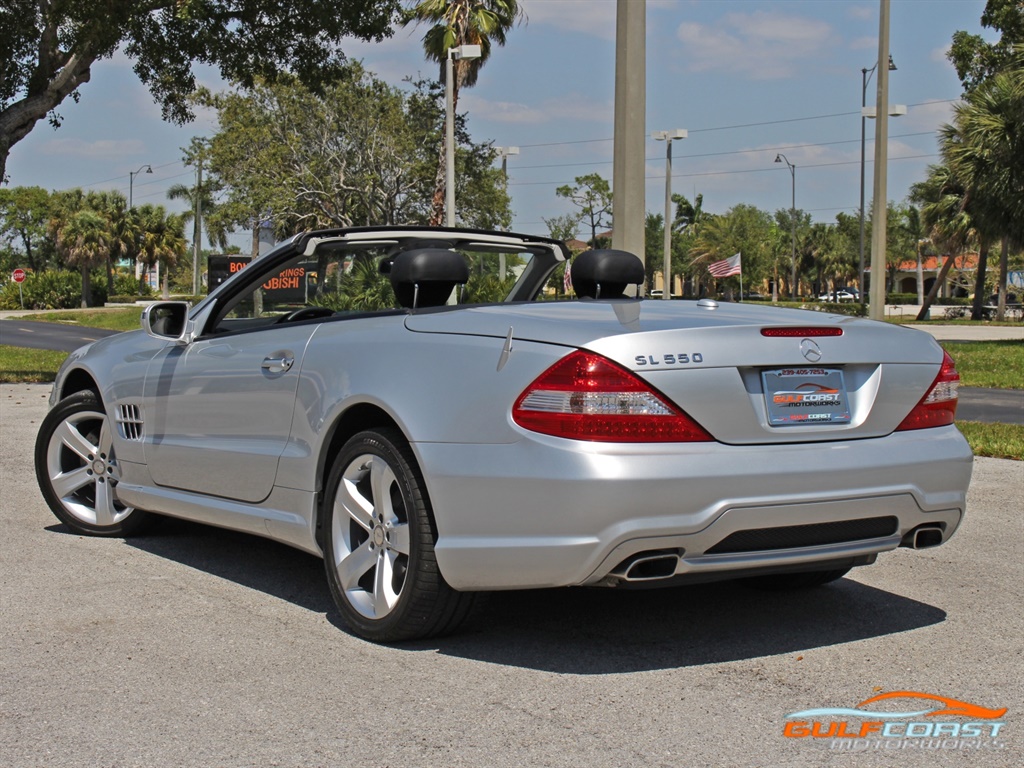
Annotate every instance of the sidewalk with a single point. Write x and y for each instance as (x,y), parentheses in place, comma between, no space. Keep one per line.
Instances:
(972,332)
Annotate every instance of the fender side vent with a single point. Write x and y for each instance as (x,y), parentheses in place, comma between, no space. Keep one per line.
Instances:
(130,421)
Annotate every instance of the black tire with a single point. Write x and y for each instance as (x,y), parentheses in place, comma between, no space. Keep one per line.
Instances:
(778,582)
(379,537)
(78,472)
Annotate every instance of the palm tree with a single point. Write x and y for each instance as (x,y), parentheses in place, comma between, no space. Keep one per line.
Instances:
(984,146)
(454,23)
(84,240)
(947,221)
(163,240)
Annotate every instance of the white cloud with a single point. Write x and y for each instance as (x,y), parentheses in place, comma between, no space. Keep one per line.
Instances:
(100,148)
(863,12)
(939,54)
(865,43)
(926,117)
(584,16)
(761,45)
(574,106)
(501,111)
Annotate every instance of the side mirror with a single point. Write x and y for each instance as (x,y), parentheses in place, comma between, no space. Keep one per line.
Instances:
(168,321)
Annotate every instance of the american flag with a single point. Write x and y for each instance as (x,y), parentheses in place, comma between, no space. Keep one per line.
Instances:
(726,267)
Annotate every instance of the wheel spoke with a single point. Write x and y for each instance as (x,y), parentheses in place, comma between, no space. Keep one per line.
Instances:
(105,509)
(352,502)
(353,566)
(66,483)
(399,538)
(384,596)
(106,445)
(70,437)
(381,479)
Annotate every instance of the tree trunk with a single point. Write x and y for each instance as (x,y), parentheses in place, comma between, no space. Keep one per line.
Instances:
(977,313)
(939,280)
(86,288)
(1004,258)
(19,118)
(920,277)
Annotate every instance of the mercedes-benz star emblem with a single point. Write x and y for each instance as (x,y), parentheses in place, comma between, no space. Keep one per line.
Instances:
(810,350)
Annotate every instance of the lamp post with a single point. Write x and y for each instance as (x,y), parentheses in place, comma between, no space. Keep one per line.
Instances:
(131,181)
(865,75)
(504,152)
(879,212)
(456,52)
(667,137)
(792,215)
(131,187)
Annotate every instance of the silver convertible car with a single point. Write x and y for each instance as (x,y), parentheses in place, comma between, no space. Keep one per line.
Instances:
(411,405)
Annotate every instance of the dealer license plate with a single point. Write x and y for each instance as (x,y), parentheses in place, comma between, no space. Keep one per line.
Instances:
(801,396)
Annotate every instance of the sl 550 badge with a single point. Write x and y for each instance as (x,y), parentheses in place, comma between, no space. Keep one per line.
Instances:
(681,359)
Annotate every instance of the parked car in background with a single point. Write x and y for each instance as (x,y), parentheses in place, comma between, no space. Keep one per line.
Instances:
(341,395)
(840,295)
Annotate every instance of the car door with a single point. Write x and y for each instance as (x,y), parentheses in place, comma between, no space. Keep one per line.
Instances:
(221,409)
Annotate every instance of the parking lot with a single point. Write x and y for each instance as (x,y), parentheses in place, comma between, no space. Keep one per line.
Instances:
(196,646)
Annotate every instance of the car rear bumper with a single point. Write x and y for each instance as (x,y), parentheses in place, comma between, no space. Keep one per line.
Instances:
(545,512)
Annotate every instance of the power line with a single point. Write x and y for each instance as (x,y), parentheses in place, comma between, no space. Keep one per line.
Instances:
(744,125)
(720,154)
(729,173)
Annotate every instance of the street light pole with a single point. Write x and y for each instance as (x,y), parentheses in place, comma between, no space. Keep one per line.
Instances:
(667,137)
(455,52)
(876,309)
(865,75)
(131,187)
(792,215)
(131,181)
(504,152)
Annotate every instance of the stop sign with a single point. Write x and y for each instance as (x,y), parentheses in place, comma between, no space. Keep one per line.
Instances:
(18,275)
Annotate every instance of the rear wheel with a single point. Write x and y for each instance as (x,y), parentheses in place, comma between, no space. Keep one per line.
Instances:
(379,544)
(78,472)
(777,582)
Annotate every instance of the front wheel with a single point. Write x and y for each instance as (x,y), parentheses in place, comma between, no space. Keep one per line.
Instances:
(78,472)
(379,544)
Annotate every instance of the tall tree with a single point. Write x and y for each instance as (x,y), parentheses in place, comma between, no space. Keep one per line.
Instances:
(163,240)
(592,195)
(48,48)
(454,23)
(84,239)
(976,59)
(24,215)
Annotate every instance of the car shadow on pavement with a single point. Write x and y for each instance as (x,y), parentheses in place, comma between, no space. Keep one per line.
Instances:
(582,631)
(590,631)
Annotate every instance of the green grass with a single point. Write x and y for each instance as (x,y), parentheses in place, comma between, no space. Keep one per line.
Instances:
(1000,441)
(18,365)
(998,364)
(119,319)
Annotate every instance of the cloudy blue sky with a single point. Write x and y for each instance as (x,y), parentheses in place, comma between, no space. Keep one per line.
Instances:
(746,78)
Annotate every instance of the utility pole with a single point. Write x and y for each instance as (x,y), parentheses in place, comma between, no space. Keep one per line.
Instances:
(628,205)
(197,232)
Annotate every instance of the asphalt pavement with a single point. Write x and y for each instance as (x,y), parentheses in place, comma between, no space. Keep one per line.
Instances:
(194,646)
(18,332)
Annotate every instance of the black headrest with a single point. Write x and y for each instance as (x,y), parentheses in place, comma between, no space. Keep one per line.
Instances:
(426,277)
(604,274)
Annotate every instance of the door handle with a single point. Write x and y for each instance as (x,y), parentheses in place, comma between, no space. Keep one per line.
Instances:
(278,364)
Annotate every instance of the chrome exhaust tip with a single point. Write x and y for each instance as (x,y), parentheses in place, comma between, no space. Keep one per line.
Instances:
(651,567)
(923,537)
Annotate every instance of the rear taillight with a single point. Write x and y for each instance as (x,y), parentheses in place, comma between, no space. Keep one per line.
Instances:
(938,407)
(587,397)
